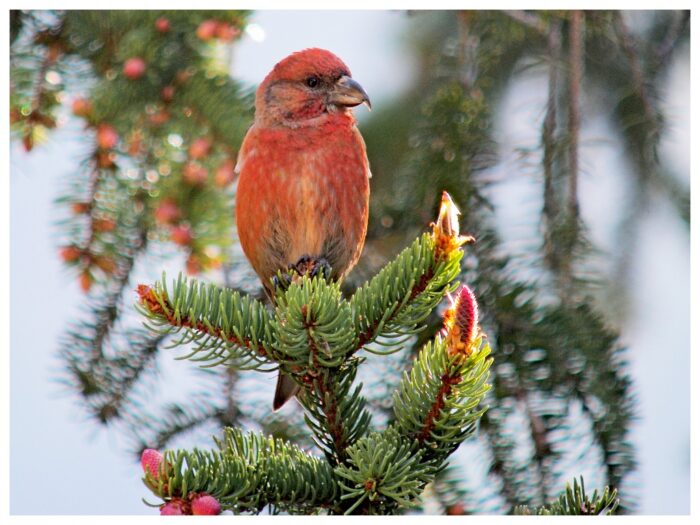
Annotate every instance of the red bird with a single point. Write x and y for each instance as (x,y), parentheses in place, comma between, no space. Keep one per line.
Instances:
(303,191)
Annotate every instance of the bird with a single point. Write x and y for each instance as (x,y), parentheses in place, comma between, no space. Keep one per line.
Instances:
(302,200)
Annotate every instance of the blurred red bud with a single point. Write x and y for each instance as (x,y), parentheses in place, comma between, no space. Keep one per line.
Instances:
(225,173)
(195,174)
(105,264)
(85,281)
(167,212)
(80,207)
(181,234)
(107,136)
(159,117)
(134,68)
(28,141)
(199,148)
(162,25)
(226,32)
(70,253)
(103,225)
(193,266)
(207,30)
(82,107)
(135,142)
(167,93)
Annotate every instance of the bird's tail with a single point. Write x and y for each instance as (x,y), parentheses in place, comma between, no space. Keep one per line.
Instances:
(285,390)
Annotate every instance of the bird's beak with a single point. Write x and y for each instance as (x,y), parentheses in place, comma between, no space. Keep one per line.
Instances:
(348,93)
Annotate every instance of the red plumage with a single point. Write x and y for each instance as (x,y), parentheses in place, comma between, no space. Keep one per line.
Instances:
(304,177)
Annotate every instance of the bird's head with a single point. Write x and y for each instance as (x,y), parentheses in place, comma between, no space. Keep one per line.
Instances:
(305,86)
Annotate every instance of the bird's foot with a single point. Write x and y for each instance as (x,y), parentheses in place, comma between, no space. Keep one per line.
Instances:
(312,266)
(306,265)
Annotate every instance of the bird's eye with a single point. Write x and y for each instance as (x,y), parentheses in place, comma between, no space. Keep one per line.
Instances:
(312,82)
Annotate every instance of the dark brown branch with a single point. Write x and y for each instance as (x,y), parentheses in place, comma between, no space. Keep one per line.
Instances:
(550,122)
(575,76)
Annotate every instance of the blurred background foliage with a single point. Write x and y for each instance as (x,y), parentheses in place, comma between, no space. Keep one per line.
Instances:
(164,116)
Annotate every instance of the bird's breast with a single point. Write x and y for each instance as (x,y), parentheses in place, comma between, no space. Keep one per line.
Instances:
(302,192)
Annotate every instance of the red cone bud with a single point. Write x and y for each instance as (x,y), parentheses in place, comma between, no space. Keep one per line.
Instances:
(205,505)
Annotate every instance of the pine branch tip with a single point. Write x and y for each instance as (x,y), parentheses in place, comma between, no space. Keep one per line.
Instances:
(446,234)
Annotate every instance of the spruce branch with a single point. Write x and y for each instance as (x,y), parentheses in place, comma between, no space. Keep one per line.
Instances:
(575,502)
(225,326)
(402,295)
(312,325)
(384,474)
(335,411)
(247,473)
(437,404)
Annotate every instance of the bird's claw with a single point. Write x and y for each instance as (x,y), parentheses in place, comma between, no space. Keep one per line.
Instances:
(311,266)
(306,265)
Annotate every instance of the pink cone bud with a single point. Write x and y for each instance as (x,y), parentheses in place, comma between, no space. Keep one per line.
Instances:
(205,505)
(467,315)
(461,322)
(151,460)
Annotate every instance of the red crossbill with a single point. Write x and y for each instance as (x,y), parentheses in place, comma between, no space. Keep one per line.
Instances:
(303,191)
